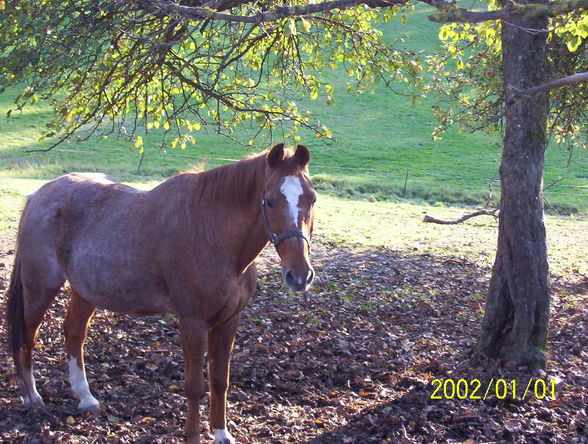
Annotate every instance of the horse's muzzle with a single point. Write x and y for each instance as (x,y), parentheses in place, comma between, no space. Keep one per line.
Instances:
(295,282)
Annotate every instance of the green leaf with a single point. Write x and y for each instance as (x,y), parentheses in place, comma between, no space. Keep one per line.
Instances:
(113,419)
(574,43)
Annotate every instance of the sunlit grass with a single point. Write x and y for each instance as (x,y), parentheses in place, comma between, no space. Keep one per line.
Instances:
(383,148)
(358,224)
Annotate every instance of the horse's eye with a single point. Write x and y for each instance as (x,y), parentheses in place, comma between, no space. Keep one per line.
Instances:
(314,199)
(269,203)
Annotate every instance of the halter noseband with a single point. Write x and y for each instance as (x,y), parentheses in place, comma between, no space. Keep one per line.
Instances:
(277,238)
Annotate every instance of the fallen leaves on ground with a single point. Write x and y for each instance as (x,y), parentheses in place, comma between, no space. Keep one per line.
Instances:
(352,361)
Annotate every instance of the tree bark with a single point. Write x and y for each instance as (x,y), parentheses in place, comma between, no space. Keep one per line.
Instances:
(517,309)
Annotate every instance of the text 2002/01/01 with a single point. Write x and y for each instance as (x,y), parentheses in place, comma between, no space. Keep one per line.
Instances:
(500,388)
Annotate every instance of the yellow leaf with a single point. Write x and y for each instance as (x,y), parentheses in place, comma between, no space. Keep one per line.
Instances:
(292,26)
(305,24)
(70,420)
(2,4)
(138,142)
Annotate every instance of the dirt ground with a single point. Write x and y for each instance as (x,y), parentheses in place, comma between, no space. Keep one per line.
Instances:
(353,361)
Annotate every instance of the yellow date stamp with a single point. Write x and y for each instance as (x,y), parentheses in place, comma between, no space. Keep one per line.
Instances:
(498,388)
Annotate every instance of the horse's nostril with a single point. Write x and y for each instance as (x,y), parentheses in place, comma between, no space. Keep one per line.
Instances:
(290,279)
(310,276)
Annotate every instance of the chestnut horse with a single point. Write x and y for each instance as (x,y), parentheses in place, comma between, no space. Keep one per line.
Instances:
(185,247)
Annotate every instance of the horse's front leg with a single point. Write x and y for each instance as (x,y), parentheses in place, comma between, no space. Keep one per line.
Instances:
(220,345)
(193,333)
(78,316)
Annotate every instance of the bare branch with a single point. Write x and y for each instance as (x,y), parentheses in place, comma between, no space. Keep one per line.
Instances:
(434,220)
(558,83)
(450,12)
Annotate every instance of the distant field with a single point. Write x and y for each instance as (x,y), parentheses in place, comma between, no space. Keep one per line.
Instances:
(383,148)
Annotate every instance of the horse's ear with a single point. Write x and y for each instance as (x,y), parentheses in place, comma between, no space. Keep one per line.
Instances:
(275,155)
(302,155)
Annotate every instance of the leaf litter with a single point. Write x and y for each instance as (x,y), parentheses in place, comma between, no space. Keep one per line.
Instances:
(351,361)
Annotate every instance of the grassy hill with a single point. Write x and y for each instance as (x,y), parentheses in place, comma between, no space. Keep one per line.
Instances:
(383,148)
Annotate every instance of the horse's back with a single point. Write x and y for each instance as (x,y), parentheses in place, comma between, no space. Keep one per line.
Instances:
(71,193)
(39,229)
(56,211)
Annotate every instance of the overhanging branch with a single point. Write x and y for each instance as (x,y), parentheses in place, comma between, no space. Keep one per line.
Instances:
(450,12)
(204,13)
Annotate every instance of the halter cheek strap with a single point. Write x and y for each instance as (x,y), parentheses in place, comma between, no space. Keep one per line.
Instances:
(274,238)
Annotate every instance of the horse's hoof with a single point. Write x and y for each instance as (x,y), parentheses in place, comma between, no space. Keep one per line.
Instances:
(36,404)
(221,436)
(93,408)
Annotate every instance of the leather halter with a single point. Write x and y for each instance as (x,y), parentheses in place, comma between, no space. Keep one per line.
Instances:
(277,238)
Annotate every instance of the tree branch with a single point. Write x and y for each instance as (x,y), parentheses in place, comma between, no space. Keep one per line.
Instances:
(450,12)
(558,83)
(434,220)
(198,13)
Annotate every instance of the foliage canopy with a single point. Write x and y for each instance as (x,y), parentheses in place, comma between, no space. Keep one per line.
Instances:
(469,76)
(118,66)
(112,66)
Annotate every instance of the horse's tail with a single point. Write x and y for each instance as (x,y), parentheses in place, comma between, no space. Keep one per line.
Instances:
(15,319)
(15,313)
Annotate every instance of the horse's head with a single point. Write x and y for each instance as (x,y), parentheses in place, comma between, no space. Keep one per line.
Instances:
(287,209)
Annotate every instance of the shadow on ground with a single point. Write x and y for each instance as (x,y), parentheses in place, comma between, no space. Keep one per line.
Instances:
(352,361)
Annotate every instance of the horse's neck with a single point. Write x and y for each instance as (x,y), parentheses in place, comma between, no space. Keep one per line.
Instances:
(246,231)
(253,240)
(236,222)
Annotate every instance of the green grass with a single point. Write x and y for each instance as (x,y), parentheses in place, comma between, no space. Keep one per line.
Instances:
(382,142)
(362,225)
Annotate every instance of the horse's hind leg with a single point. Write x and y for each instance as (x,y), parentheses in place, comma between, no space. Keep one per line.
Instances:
(36,302)
(35,281)
(75,326)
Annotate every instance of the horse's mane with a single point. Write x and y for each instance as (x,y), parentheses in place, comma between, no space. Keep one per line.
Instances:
(233,183)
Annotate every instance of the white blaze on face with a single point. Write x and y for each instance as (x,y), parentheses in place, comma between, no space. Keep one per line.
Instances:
(292,189)
(79,386)
(221,436)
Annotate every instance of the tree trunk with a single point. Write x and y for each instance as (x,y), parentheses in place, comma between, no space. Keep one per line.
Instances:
(517,308)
